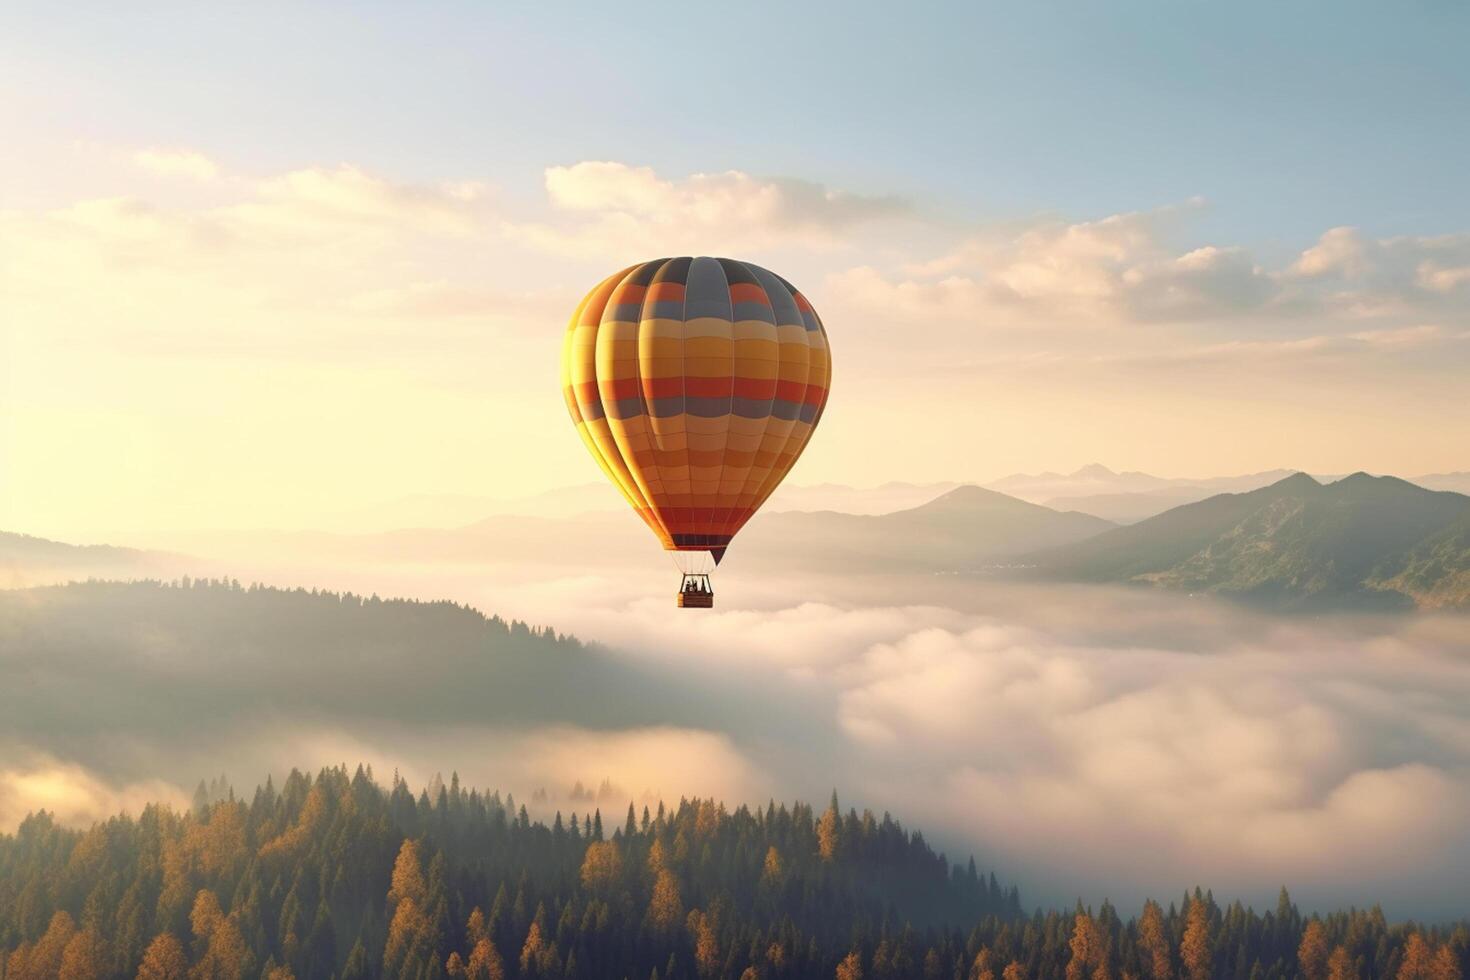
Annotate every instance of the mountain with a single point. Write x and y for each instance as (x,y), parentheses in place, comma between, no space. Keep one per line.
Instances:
(206,646)
(965,528)
(1130,508)
(1097,480)
(449,511)
(1360,542)
(26,560)
(1436,572)
(884,499)
(1456,482)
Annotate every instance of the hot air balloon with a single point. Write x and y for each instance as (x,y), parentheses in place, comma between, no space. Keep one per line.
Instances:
(695,383)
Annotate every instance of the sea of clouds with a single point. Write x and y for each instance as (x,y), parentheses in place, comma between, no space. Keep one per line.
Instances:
(1082,742)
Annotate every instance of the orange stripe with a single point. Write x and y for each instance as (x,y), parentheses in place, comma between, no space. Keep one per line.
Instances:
(665,290)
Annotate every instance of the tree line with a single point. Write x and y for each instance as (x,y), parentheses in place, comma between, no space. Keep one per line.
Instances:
(336,876)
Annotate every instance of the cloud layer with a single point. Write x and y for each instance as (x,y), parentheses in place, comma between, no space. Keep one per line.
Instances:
(1085,742)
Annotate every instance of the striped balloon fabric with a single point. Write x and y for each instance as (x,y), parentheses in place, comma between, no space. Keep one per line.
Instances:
(695,383)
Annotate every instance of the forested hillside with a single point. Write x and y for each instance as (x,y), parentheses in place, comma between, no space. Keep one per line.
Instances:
(1360,543)
(335,876)
(207,647)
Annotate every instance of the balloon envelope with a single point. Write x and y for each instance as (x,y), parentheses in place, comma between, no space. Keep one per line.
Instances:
(695,383)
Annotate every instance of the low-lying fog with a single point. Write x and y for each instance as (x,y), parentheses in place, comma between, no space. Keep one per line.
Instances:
(1083,742)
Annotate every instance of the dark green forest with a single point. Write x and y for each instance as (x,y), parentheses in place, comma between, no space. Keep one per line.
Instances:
(335,876)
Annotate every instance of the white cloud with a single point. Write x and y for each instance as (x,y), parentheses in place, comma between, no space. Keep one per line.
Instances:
(75,795)
(285,263)
(1122,270)
(613,208)
(177,163)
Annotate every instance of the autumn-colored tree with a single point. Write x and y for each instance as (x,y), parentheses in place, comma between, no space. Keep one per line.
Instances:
(665,908)
(204,918)
(1446,964)
(484,963)
(602,866)
(706,943)
(827,829)
(1153,943)
(408,876)
(1014,971)
(1418,961)
(1196,949)
(1089,950)
(1340,965)
(226,957)
(454,966)
(274,972)
(164,959)
(657,858)
(851,967)
(531,952)
(475,928)
(771,872)
(406,934)
(1312,953)
(776,956)
(217,848)
(984,966)
(86,957)
(43,960)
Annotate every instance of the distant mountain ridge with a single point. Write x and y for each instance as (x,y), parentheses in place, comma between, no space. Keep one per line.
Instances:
(27,560)
(1360,542)
(965,528)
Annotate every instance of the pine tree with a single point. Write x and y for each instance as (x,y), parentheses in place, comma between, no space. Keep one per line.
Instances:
(1153,943)
(1419,961)
(86,957)
(827,830)
(1196,949)
(1312,953)
(164,959)
(665,908)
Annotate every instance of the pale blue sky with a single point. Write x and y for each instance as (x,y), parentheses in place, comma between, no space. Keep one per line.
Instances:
(1288,117)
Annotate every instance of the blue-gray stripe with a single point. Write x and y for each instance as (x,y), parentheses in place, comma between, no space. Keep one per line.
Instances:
(783,304)
(664,309)
(706,293)
(750,310)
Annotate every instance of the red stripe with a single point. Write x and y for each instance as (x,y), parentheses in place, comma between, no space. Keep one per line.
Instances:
(815,395)
(748,292)
(616,390)
(802,304)
(756,388)
(662,388)
(790,391)
(709,387)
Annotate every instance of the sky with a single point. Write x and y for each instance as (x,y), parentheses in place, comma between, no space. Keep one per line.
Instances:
(262,264)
